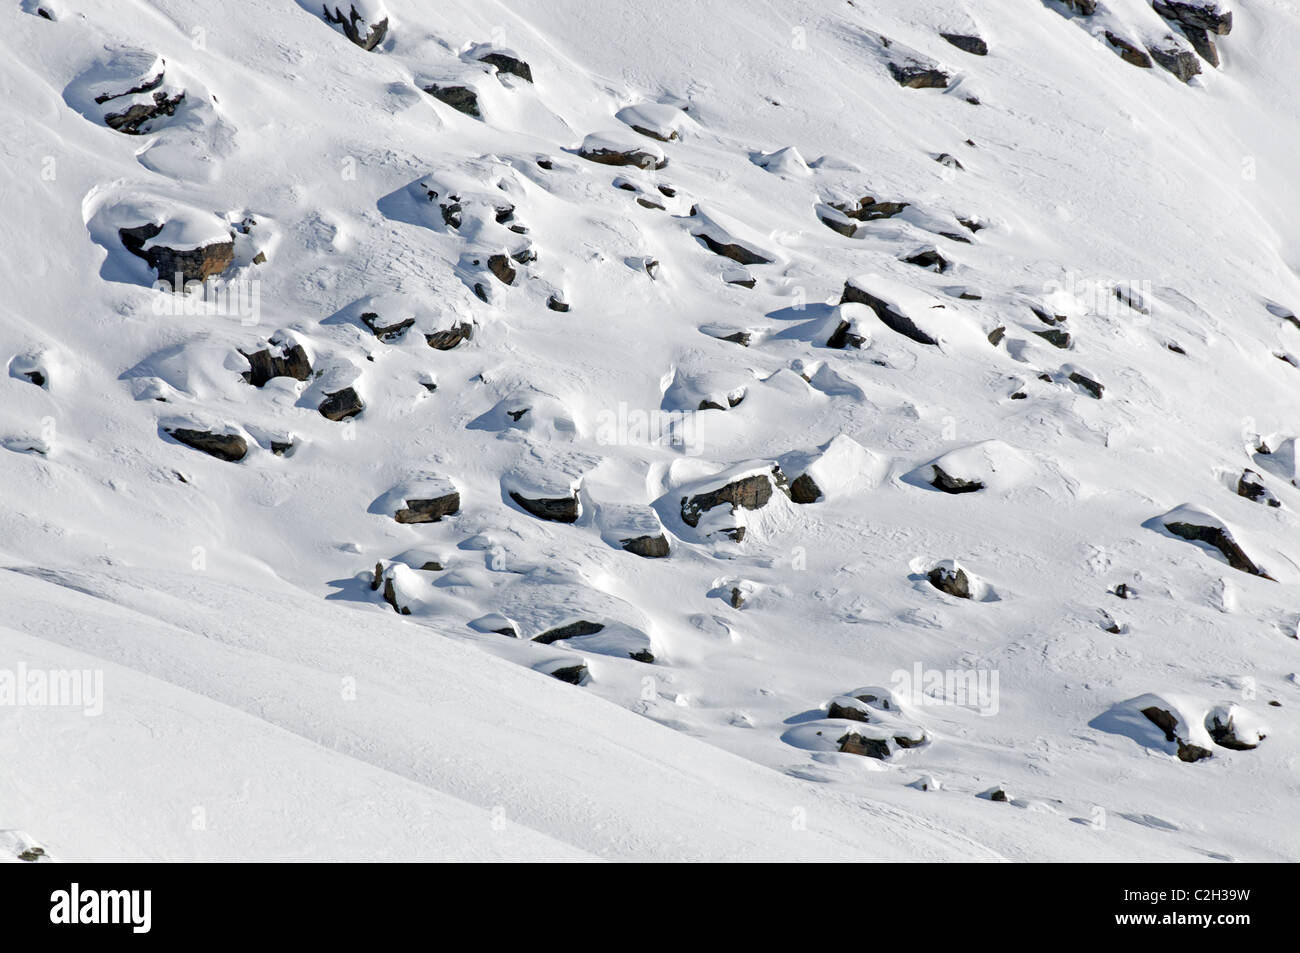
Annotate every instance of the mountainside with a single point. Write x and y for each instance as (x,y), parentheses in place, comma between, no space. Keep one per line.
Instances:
(819,430)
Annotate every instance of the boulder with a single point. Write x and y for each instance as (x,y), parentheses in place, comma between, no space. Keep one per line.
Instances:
(355,26)
(1172,57)
(1251,485)
(500,266)
(967,43)
(610,149)
(1201,526)
(1129,52)
(136,119)
(914,74)
(570,631)
(728,238)
(507,62)
(448,339)
(385,332)
(950,578)
(750,492)
(282,359)
(341,404)
(461,98)
(192,264)
(224,446)
(430,510)
(564,509)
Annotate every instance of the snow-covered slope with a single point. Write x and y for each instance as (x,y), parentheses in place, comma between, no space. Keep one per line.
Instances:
(680,352)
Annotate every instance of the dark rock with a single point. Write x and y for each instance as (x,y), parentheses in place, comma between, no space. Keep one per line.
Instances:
(1192,753)
(557,304)
(192,264)
(352,25)
(36,377)
(1129,52)
(265,365)
(737,599)
(461,98)
(446,340)
(736,252)
(636,157)
(999,795)
(648,203)
(854,743)
(1056,337)
(429,511)
(1083,7)
(642,655)
(651,134)
(563,509)
(751,493)
(1220,539)
(1225,736)
(843,337)
(969,44)
(280,447)
(341,404)
(804,489)
(950,161)
(952,581)
(744,283)
(1203,15)
(1251,485)
(505,63)
(390,596)
(573,674)
(648,547)
(32,854)
(951,484)
(930,258)
(1088,384)
(224,446)
(1182,63)
(892,319)
(847,229)
(1123,590)
(135,120)
(849,712)
(996,336)
(570,631)
(500,266)
(867,209)
(918,76)
(385,332)
(1202,44)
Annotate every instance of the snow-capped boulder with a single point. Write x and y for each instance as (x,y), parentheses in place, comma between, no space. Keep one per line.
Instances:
(713,504)
(1198,525)
(635,528)
(913,313)
(655,120)
(617,148)
(989,464)
(841,467)
(725,236)
(183,244)
(547,496)
(425,499)
(282,356)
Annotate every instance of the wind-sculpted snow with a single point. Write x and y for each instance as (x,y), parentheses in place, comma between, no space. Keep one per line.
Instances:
(559,409)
